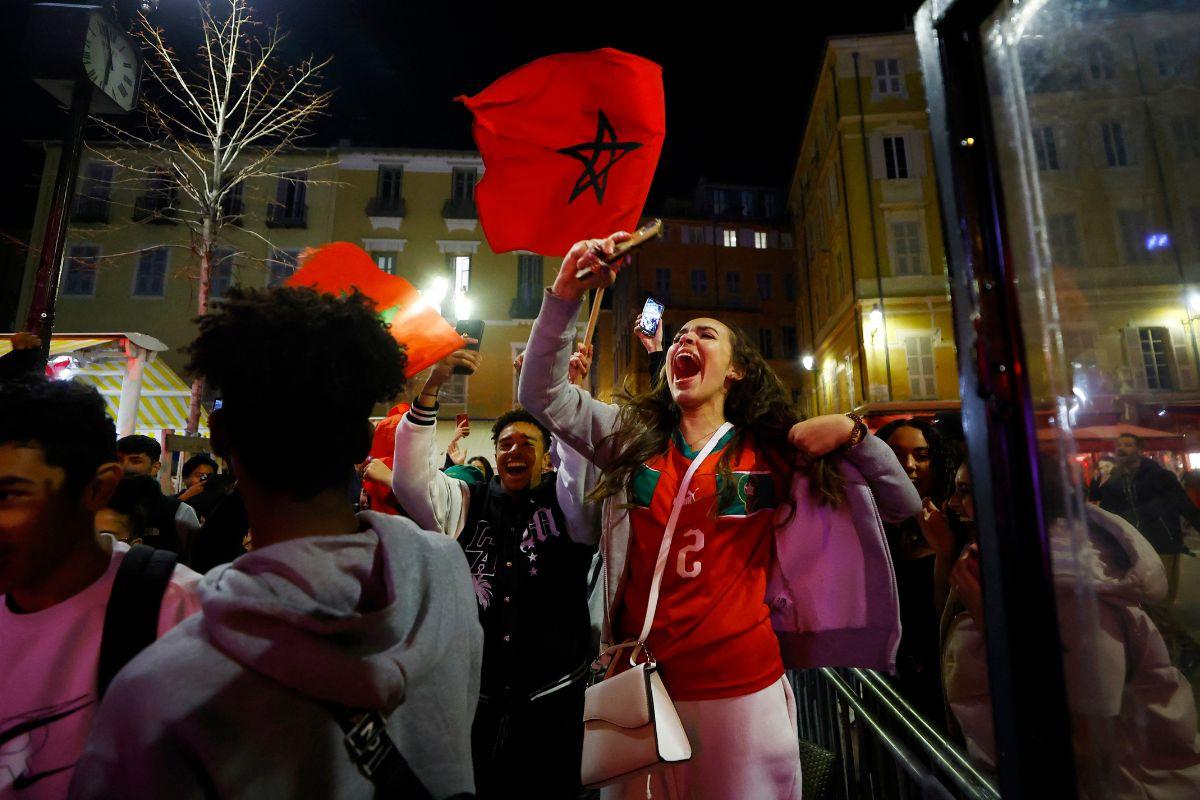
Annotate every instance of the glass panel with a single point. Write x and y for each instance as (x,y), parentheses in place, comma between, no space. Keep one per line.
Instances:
(1091,105)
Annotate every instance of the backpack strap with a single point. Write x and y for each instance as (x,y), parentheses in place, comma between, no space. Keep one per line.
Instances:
(131,617)
(377,757)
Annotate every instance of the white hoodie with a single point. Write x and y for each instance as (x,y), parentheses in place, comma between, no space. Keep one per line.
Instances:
(232,703)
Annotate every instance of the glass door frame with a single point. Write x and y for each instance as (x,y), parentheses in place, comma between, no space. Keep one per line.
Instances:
(1028,691)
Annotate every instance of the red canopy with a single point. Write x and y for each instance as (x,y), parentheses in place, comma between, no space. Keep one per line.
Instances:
(1099,438)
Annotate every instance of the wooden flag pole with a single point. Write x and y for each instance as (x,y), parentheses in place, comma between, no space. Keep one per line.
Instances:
(639,237)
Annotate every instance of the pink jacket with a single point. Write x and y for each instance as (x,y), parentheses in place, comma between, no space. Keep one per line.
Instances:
(832,590)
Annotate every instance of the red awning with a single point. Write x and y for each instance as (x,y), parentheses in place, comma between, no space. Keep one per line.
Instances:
(1098,438)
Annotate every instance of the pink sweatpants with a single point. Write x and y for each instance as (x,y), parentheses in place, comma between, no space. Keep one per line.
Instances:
(743,748)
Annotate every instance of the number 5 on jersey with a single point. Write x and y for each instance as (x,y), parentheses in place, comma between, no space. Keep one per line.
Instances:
(682,568)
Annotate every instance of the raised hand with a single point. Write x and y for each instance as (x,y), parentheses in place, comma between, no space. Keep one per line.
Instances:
(580,364)
(589,254)
(653,344)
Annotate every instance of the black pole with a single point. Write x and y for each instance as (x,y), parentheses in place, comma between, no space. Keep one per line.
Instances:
(45,288)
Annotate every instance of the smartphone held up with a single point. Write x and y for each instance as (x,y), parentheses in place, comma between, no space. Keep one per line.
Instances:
(652,313)
(473,329)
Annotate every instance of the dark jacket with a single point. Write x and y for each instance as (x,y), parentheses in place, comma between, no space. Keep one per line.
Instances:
(1151,499)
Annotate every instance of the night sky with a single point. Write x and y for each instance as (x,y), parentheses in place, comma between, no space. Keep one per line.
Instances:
(737,80)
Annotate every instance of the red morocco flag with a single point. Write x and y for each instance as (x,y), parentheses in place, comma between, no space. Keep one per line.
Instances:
(338,267)
(570,143)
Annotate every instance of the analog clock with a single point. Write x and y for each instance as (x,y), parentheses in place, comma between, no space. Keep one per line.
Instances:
(111,61)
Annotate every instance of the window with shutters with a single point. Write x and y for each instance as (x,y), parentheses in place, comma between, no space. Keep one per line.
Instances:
(385,261)
(699,282)
(389,192)
(763,281)
(1045,148)
(462,273)
(1064,241)
(221,272)
(907,254)
(1166,57)
(1133,227)
(1186,133)
(1116,154)
(1155,360)
(290,209)
(789,341)
(281,265)
(1100,62)
(730,237)
(79,270)
(462,186)
(150,276)
(895,157)
(662,283)
(888,79)
(765,345)
(921,380)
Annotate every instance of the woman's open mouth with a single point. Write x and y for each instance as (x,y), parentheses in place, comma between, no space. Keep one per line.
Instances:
(685,366)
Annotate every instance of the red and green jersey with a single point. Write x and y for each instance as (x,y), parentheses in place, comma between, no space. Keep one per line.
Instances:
(712,631)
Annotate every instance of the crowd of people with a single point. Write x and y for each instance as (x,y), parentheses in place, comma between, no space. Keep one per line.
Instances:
(335,609)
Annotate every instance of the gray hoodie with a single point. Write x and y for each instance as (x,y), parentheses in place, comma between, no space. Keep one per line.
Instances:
(232,702)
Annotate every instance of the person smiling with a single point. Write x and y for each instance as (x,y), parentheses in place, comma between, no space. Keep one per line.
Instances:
(529,561)
(742,534)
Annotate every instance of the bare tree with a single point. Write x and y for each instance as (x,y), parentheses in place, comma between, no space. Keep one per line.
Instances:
(216,120)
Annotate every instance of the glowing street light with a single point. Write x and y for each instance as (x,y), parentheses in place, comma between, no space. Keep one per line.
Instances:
(1193,301)
(808,361)
(435,292)
(876,315)
(462,307)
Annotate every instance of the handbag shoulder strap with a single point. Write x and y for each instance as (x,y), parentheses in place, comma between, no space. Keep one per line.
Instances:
(665,549)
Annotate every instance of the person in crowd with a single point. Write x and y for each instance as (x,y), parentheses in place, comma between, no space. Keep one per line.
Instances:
(335,622)
(530,568)
(173,523)
(24,360)
(196,472)
(743,521)
(924,549)
(1133,717)
(1146,495)
(456,454)
(483,465)
(58,468)
(126,515)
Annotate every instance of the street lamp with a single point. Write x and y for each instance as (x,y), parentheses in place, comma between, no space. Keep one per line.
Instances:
(807,361)
(435,292)
(462,307)
(876,315)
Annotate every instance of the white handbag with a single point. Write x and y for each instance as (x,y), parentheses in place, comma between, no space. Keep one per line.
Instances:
(630,725)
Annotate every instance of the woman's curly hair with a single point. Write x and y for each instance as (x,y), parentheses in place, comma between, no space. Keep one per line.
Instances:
(298,373)
(757,404)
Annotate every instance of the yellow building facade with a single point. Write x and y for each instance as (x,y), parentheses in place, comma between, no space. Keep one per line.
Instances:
(128,264)
(874,309)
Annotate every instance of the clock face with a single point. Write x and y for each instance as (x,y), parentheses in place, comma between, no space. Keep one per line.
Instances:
(111,61)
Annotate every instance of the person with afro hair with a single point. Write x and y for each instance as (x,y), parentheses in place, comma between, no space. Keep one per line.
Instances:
(333,619)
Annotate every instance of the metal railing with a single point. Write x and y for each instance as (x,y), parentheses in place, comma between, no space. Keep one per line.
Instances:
(884,748)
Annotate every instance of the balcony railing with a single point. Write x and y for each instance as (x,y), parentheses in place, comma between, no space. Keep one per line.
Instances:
(386,207)
(462,208)
(156,208)
(86,209)
(280,216)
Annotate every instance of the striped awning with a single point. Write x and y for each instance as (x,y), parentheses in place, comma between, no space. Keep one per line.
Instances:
(164,398)
(164,401)
(59,346)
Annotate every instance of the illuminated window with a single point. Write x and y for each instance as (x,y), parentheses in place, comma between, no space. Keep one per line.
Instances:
(1154,357)
(760,240)
(730,238)
(462,274)
(921,380)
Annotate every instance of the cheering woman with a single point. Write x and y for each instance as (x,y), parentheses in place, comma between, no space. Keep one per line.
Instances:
(777,556)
